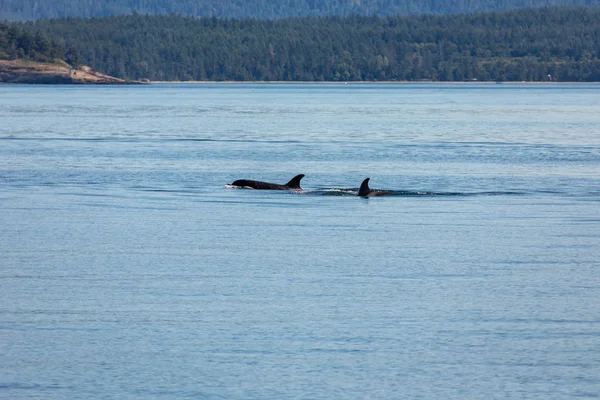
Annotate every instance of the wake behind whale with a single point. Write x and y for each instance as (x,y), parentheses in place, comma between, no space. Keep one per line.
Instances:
(366,191)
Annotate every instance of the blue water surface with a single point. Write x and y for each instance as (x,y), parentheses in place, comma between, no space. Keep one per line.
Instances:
(129,269)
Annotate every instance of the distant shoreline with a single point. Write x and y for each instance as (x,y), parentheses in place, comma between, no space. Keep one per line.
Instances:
(367,83)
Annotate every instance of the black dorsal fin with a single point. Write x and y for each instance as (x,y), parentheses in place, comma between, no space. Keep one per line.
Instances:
(364,188)
(294,183)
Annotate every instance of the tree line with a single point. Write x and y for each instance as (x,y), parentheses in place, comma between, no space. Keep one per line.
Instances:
(20,10)
(560,43)
(19,43)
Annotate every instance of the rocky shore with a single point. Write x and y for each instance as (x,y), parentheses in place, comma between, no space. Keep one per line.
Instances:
(30,72)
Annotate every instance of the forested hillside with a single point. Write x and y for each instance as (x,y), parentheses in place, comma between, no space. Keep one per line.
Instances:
(528,45)
(19,43)
(19,10)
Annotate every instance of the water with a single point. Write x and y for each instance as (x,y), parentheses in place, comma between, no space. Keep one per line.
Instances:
(129,270)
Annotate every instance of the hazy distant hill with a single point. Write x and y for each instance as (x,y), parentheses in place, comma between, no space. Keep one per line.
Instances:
(524,45)
(19,10)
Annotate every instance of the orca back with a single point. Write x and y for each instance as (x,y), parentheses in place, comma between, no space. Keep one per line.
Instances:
(244,183)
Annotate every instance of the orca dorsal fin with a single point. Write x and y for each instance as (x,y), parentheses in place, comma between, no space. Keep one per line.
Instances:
(294,183)
(364,188)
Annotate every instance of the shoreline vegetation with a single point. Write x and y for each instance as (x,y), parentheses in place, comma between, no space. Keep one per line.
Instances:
(552,44)
(425,82)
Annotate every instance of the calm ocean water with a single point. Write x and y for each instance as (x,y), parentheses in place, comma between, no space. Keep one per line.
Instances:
(129,270)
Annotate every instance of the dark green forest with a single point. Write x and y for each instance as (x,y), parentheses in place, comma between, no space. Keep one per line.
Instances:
(19,43)
(20,10)
(524,45)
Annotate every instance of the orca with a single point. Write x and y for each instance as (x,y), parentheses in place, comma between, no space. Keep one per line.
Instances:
(365,191)
(293,184)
